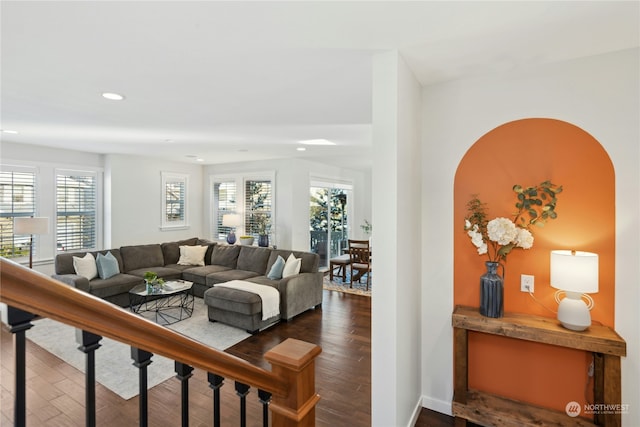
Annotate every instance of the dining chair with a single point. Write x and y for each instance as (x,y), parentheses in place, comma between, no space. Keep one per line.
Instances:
(360,260)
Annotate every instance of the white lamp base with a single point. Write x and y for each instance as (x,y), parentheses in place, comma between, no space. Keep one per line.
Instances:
(573,313)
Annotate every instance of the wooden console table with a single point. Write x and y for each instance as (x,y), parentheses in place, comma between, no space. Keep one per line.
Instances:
(488,409)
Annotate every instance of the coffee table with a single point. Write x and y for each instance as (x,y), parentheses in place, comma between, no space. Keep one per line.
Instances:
(169,304)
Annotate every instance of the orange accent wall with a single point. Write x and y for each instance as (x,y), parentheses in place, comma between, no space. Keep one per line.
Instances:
(528,152)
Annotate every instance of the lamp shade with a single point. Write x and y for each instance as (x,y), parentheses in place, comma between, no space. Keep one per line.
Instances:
(574,271)
(231,220)
(31,225)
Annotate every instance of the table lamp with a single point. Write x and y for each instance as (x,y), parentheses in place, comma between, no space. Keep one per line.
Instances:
(231,220)
(31,225)
(575,273)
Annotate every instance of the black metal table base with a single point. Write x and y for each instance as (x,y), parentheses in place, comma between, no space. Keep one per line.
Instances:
(163,309)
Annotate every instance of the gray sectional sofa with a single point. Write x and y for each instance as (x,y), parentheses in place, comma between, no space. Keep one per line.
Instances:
(223,263)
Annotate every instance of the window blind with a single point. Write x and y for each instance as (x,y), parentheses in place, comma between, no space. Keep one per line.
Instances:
(17,198)
(258,206)
(224,202)
(76,208)
(175,201)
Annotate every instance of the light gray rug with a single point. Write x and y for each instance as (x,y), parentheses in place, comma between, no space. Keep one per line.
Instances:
(114,368)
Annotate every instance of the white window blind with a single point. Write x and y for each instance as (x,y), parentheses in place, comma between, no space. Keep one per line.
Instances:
(224,202)
(76,210)
(174,200)
(17,199)
(258,206)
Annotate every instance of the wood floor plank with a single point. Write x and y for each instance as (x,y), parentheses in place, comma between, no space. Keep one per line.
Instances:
(341,326)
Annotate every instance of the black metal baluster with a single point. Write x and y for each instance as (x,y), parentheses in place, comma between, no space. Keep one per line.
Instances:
(19,321)
(215,382)
(142,359)
(265,398)
(184,372)
(242,390)
(89,343)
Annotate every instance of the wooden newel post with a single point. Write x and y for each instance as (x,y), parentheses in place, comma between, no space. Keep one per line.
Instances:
(294,361)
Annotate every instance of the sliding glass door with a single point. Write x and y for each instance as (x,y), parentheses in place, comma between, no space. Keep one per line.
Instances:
(328,220)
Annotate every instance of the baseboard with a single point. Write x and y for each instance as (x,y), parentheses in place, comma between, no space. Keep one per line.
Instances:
(416,414)
(442,406)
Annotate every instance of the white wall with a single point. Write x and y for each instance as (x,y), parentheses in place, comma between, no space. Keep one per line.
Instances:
(292,194)
(396,320)
(136,200)
(599,94)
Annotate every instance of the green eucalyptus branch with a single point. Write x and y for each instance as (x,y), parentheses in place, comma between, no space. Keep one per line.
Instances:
(536,205)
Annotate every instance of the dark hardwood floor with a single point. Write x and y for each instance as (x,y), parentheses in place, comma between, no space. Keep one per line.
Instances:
(342,327)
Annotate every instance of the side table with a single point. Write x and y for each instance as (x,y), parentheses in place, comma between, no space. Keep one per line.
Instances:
(480,407)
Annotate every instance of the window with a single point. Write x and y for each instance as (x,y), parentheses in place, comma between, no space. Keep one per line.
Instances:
(258,206)
(224,202)
(174,200)
(76,210)
(17,198)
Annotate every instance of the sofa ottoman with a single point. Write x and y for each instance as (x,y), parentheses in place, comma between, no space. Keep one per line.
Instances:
(240,304)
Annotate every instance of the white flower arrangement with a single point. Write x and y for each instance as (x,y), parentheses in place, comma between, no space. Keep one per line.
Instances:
(498,237)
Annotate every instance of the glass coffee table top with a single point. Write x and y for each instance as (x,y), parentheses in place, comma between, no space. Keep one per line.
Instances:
(164,305)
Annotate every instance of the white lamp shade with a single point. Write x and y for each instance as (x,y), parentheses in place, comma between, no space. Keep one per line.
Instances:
(31,225)
(574,271)
(231,220)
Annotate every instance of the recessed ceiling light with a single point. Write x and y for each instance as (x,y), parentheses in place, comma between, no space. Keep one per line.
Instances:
(317,142)
(199,160)
(13,132)
(113,96)
(301,149)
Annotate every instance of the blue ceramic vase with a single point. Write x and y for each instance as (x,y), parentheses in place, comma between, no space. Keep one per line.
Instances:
(492,291)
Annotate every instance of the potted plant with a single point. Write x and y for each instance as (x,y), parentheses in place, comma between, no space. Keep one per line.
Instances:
(154,284)
(263,224)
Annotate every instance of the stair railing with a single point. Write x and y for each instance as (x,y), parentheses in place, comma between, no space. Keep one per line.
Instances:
(288,389)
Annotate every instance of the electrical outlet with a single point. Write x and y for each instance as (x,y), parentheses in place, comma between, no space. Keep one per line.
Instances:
(526,283)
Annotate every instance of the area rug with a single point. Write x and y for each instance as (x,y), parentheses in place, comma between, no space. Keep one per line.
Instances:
(338,285)
(114,368)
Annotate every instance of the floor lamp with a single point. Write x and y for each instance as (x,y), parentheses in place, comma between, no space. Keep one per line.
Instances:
(31,225)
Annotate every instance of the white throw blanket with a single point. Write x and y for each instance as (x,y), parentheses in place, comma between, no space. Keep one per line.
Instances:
(269,295)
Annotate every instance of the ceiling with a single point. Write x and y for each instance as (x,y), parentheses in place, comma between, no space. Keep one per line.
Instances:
(239,81)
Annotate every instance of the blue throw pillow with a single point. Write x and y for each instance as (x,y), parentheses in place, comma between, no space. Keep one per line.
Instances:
(107,265)
(276,269)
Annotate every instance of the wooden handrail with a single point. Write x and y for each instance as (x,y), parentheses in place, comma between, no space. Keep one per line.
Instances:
(39,294)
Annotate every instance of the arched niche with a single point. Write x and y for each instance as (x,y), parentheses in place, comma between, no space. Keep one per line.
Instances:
(528,152)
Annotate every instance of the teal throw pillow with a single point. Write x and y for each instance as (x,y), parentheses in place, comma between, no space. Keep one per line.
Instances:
(107,265)
(276,269)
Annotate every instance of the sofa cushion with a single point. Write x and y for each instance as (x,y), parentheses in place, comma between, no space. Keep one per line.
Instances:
(64,261)
(192,255)
(141,256)
(275,273)
(107,265)
(85,266)
(165,273)
(233,300)
(292,266)
(309,264)
(228,275)
(118,284)
(171,250)
(226,256)
(252,258)
(199,274)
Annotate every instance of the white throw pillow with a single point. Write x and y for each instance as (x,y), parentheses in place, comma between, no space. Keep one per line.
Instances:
(192,255)
(292,266)
(85,266)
